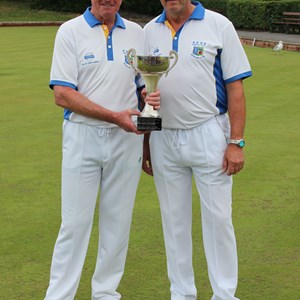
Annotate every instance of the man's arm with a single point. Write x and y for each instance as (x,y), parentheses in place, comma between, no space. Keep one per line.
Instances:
(233,161)
(154,100)
(69,98)
(147,165)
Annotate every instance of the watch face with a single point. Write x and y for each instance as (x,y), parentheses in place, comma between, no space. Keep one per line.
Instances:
(242,143)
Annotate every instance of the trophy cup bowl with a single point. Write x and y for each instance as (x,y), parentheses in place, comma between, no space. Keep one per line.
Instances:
(153,64)
(151,69)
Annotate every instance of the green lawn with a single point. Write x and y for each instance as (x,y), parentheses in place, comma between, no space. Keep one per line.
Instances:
(20,11)
(266,193)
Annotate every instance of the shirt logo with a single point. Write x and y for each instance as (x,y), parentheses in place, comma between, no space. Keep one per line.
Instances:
(126,62)
(198,49)
(89,58)
(156,52)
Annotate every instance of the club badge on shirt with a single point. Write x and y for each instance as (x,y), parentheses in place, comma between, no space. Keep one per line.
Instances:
(126,62)
(198,50)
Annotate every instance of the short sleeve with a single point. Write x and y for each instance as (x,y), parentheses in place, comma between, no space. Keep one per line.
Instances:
(64,69)
(234,62)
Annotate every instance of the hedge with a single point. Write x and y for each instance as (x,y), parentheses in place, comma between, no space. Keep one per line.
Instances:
(219,6)
(258,15)
(245,14)
(77,6)
(140,6)
(145,7)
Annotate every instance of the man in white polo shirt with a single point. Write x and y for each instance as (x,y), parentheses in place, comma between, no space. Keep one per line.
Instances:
(198,140)
(102,148)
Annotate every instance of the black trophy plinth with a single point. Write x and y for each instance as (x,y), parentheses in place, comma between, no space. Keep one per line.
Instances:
(148,123)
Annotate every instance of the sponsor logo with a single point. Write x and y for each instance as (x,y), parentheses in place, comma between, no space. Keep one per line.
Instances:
(89,58)
(156,52)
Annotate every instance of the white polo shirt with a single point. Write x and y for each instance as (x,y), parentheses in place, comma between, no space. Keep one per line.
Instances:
(210,55)
(93,61)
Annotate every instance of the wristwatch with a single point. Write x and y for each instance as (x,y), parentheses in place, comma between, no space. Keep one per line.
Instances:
(241,143)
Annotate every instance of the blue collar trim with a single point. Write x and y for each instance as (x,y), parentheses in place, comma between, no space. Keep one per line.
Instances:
(198,13)
(92,21)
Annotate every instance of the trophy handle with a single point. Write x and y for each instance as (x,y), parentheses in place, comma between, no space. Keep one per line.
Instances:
(131,57)
(172,54)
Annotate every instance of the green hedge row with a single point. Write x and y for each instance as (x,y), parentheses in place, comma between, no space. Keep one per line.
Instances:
(140,6)
(145,7)
(77,6)
(245,14)
(252,14)
(216,5)
(258,15)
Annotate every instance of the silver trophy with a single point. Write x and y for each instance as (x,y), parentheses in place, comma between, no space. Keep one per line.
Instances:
(151,68)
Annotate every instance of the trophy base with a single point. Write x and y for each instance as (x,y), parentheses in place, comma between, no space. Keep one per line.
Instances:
(148,123)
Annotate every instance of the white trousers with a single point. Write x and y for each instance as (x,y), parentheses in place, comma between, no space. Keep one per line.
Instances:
(177,156)
(95,158)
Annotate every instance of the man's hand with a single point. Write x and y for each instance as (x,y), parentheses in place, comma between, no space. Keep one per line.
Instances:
(124,120)
(233,161)
(152,99)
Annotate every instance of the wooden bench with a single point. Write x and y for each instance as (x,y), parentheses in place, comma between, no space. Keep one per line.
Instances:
(288,23)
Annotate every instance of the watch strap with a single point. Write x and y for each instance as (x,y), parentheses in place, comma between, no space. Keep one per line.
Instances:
(240,142)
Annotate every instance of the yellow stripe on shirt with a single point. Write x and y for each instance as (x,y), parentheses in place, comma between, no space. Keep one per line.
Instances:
(105,30)
(172,29)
